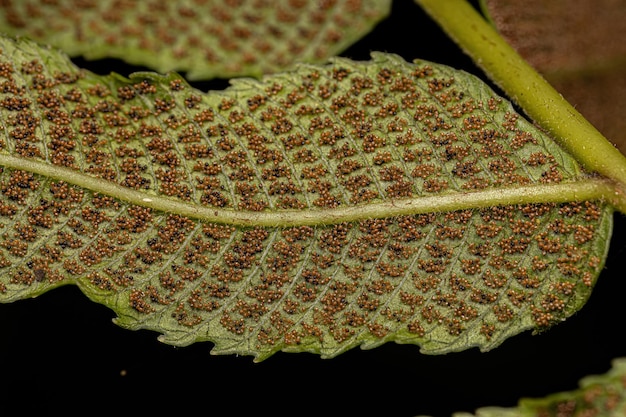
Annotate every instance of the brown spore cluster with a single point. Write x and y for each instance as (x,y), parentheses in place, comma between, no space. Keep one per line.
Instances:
(206,37)
(325,137)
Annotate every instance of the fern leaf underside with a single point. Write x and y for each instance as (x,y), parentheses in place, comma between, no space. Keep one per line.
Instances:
(597,395)
(312,141)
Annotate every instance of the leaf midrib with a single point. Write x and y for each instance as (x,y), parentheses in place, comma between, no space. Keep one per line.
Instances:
(591,188)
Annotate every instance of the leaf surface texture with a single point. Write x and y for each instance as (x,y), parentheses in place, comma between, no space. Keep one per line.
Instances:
(169,205)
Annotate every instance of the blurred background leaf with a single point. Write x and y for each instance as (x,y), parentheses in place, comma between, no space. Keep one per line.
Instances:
(203,38)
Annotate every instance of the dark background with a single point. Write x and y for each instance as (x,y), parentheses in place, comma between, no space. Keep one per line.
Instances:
(60,352)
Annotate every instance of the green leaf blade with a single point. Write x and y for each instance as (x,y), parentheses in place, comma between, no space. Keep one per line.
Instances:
(314,210)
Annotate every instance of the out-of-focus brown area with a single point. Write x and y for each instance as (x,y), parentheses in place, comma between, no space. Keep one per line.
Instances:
(580,47)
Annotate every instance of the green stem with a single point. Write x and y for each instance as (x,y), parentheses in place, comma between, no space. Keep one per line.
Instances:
(526,87)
